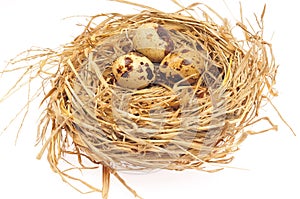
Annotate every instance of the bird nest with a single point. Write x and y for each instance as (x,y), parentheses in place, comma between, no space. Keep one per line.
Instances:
(180,119)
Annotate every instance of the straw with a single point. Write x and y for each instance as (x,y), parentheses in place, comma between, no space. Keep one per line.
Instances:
(173,126)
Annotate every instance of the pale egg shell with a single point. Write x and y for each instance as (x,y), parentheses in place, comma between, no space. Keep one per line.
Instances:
(133,71)
(182,63)
(153,41)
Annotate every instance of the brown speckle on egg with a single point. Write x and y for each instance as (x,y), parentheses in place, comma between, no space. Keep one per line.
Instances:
(182,63)
(128,61)
(125,74)
(153,41)
(133,70)
(142,78)
(164,35)
(149,74)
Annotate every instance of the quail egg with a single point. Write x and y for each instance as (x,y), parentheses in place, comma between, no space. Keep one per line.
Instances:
(133,70)
(182,63)
(153,41)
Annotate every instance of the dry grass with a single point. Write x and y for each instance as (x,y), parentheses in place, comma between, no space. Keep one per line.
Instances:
(164,126)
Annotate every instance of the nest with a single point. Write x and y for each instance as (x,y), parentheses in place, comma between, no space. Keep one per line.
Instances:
(176,126)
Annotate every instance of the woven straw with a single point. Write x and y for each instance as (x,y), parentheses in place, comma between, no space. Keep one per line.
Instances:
(167,125)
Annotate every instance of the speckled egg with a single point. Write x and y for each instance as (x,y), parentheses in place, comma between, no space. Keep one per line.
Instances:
(182,63)
(153,41)
(133,70)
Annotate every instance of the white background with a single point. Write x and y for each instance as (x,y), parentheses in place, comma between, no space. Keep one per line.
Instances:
(271,159)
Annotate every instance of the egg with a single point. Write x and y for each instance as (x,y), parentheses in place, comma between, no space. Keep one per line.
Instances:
(182,63)
(133,70)
(153,41)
